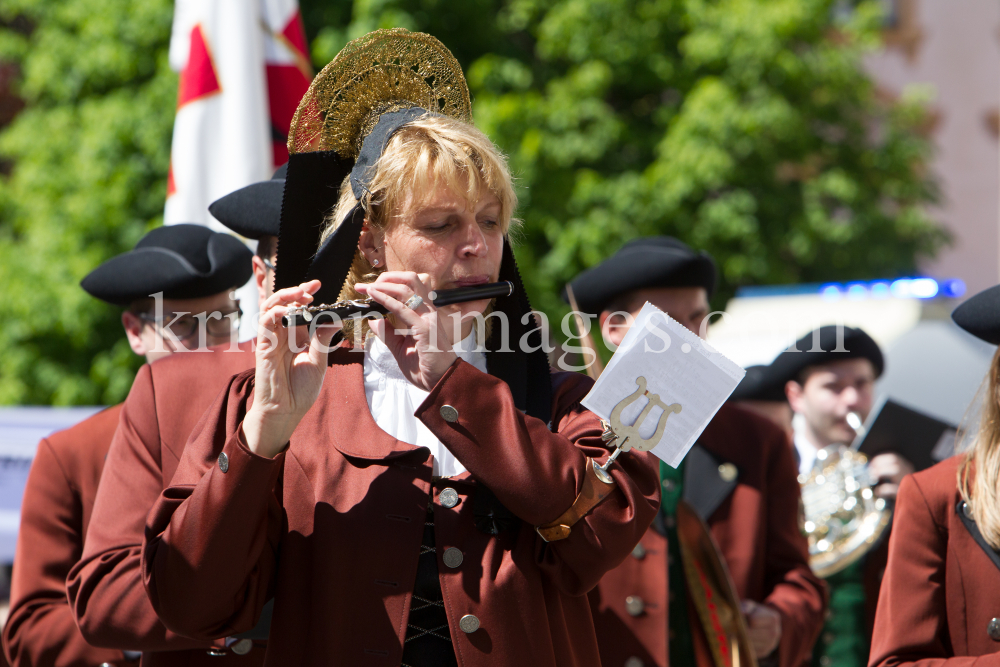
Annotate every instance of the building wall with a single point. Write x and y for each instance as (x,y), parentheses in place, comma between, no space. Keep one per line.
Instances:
(954,45)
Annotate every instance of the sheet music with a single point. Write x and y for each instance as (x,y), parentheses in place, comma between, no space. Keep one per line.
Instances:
(679,367)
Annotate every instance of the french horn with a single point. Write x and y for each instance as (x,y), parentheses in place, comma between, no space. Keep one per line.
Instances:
(842,517)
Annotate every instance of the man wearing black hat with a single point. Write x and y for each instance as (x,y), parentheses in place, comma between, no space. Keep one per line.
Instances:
(829,377)
(740,477)
(830,374)
(105,587)
(176,288)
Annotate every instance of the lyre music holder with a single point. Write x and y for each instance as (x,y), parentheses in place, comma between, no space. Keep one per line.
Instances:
(625,437)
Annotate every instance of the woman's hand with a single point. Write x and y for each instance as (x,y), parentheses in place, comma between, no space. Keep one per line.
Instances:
(289,374)
(423,351)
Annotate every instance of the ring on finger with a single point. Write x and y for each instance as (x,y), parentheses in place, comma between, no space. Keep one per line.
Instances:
(414,302)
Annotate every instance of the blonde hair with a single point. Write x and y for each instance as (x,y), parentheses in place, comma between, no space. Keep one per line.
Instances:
(427,151)
(979,473)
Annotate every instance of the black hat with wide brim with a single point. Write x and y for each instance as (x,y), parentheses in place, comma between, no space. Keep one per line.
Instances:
(181,261)
(253,211)
(980,315)
(826,345)
(657,261)
(761,383)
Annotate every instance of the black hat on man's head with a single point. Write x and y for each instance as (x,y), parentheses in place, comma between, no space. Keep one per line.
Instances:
(181,261)
(980,315)
(655,261)
(761,383)
(253,211)
(826,345)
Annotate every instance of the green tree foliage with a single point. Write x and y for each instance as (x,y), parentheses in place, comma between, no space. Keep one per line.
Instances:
(747,128)
(90,153)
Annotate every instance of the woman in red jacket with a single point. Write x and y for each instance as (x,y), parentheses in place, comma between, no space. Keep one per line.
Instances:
(940,598)
(386,495)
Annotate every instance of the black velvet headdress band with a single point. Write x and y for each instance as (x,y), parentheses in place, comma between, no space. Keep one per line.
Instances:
(374,145)
(313,196)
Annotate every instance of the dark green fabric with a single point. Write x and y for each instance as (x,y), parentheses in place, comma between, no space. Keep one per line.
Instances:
(680,644)
(844,640)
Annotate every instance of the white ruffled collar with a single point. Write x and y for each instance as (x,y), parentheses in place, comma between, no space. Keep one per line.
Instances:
(393,401)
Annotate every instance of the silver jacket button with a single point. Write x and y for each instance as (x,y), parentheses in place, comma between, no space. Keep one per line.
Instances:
(468,624)
(452,557)
(634,661)
(634,605)
(223,462)
(993,629)
(449,414)
(448,497)
(728,472)
(242,647)
(639,552)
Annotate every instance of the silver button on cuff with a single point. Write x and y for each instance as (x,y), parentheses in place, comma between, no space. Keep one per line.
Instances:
(223,462)
(449,414)
(993,629)
(242,647)
(452,557)
(639,552)
(634,605)
(468,624)
(448,497)
(728,472)
(634,661)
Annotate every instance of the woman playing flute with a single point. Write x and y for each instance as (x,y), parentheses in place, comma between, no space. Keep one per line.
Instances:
(939,604)
(404,499)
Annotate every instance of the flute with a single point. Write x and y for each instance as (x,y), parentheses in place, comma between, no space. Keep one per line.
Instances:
(365,308)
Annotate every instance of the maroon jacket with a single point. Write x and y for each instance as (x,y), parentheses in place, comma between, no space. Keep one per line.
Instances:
(105,586)
(55,512)
(345,506)
(940,595)
(754,518)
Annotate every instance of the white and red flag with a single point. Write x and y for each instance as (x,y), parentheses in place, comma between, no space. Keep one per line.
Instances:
(243,67)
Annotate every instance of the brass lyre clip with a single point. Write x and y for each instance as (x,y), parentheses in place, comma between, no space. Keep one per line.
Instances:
(626,436)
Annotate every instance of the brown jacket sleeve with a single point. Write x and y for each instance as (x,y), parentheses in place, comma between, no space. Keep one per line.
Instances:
(537,473)
(235,515)
(911,625)
(797,593)
(40,629)
(105,588)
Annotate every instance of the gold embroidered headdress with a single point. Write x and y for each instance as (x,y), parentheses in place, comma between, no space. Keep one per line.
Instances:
(384,71)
